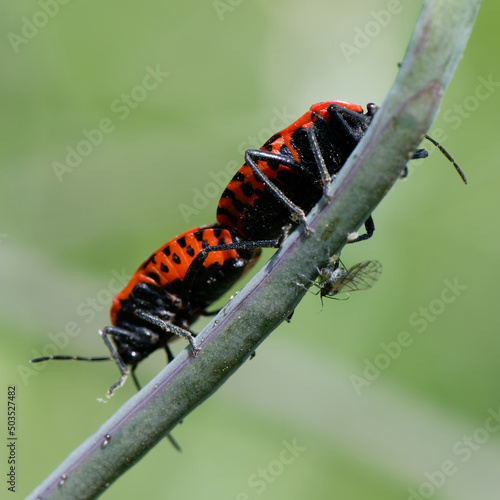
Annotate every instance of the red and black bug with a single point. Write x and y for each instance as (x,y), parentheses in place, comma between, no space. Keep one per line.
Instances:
(169,291)
(281,182)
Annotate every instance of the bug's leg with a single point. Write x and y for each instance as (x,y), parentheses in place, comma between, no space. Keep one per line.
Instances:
(107,333)
(420,154)
(144,337)
(325,176)
(252,157)
(350,125)
(170,355)
(168,327)
(135,379)
(369,227)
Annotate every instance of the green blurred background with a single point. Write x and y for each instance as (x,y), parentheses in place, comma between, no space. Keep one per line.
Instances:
(234,69)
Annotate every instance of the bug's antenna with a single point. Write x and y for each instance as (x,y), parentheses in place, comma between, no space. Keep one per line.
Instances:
(72,358)
(455,164)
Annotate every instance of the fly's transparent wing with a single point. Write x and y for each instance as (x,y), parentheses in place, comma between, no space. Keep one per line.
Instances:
(361,276)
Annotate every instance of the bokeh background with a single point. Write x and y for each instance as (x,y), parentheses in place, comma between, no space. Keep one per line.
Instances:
(422,424)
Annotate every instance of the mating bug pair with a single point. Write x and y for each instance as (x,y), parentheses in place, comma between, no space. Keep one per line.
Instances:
(277,186)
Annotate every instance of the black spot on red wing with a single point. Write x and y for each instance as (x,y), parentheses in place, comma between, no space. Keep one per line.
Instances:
(239,205)
(217,232)
(154,277)
(285,151)
(274,164)
(147,262)
(167,250)
(239,176)
(176,258)
(164,268)
(205,244)
(228,193)
(247,189)
(182,242)
(198,235)
(190,250)
(231,217)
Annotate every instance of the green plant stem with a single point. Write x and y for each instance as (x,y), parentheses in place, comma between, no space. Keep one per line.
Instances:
(435,48)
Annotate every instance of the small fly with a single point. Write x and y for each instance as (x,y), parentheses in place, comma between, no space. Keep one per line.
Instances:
(336,278)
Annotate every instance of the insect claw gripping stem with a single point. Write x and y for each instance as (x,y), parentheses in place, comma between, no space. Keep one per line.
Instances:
(369,228)
(354,237)
(301,218)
